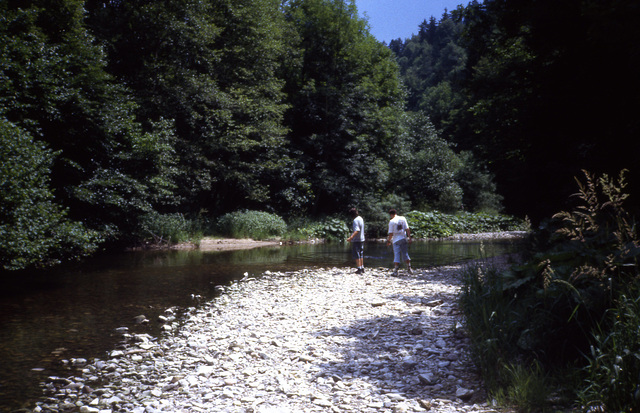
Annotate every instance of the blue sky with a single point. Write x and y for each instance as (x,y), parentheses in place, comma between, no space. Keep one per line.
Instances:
(392,19)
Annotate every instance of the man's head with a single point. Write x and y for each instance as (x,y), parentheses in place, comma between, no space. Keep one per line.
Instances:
(353,212)
(392,212)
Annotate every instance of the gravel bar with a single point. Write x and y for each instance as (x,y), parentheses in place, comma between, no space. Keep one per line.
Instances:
(315,340)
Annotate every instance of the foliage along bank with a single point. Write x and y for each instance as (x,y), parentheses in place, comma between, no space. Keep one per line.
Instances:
(560,330)
(156,112)
(537,90)
(259,225)
(198,108)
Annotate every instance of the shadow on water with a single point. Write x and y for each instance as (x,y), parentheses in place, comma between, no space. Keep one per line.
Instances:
(74,312)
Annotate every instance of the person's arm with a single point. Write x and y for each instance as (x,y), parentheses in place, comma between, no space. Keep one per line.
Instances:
(389,234)
(408,230)
(356,232)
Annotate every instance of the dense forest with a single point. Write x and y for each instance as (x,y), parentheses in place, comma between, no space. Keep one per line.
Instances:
(116,112)
(536,90)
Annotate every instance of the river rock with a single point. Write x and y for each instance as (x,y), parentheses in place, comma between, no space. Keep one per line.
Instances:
(427,378)
(140,319)
(464,394)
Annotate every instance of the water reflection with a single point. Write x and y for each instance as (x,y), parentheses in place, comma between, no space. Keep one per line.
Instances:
(74,313)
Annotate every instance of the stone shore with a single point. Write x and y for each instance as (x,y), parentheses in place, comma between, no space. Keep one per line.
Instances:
(316,340)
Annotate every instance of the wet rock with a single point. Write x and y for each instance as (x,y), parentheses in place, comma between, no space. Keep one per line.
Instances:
(79,362)
(140,319)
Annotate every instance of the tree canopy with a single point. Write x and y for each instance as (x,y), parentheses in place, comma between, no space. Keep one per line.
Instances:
(130,109)
(537,90)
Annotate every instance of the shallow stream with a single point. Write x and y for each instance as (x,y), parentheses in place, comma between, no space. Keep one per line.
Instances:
(48,320)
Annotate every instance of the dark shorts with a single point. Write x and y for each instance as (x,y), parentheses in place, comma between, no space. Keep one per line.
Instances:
(357,249)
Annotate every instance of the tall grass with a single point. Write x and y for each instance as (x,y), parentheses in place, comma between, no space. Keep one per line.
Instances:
(168,228)
(258,225)
(526,387)
(566,306)
(613,372)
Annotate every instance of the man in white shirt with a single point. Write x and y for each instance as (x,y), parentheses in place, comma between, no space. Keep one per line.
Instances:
(400,235)
(357,240)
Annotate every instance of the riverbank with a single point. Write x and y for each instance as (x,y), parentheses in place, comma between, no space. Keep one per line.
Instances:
(319,340)
(227,244)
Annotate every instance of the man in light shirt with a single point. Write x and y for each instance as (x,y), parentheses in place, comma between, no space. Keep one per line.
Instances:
(400,235)
(357,240)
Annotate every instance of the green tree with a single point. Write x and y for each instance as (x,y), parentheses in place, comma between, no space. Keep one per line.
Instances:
(433,66)
(109,169)
(479,192)
(34,230)
(345,99)
(211,66)
(551,94)
(425,167)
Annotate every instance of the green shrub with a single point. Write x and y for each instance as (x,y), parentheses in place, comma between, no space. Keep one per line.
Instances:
(478,186)
(332,229)
(436,224)
(251,224)
(450,198)
(34,229)
(569,299)
(168,228)
(376,213)
(328,229)
(430,224)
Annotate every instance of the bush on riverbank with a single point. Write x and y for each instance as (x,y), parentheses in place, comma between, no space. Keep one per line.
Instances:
(567,308)
(328,229)
(175,228)
(34,230)
(169,228)
(251,224)
(432,224)
(436,224)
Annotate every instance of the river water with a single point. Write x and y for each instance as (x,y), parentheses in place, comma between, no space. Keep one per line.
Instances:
(47,320)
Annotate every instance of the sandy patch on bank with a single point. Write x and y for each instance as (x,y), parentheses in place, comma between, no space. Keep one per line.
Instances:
(226,244)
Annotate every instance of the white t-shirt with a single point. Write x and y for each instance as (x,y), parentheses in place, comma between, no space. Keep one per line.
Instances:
(398,227)
(358,225)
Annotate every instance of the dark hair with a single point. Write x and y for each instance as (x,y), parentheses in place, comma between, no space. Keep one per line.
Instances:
(353,212)
(393,211)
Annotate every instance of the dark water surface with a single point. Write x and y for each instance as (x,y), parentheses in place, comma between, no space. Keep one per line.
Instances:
(70,314)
